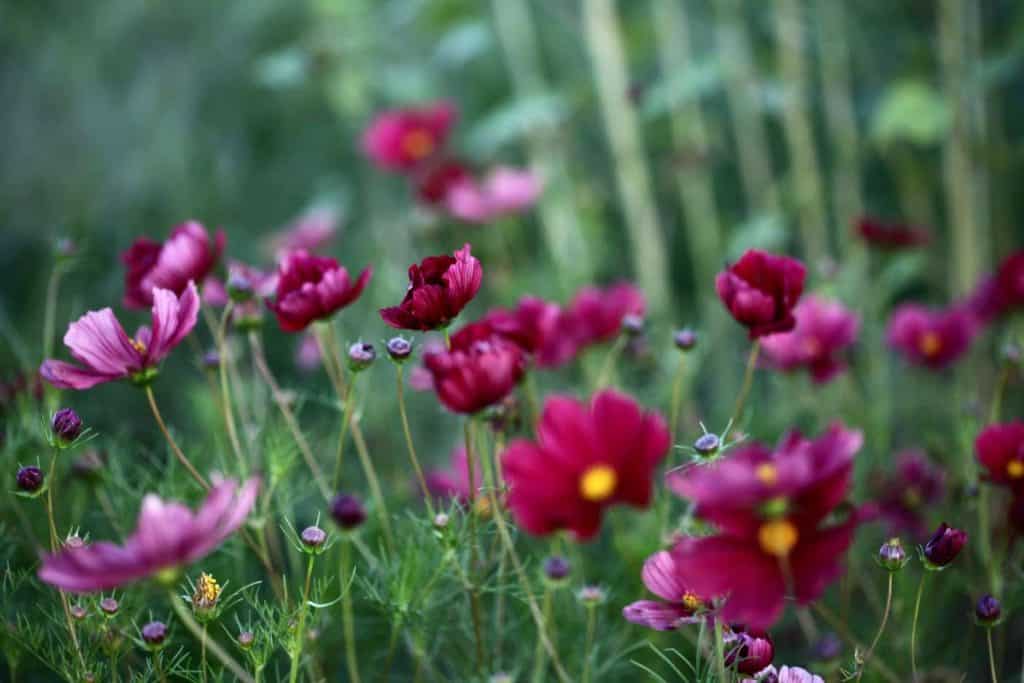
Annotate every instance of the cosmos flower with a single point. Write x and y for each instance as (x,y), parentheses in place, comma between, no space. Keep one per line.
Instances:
(943,547)
(439,288)
(890,236)
(311,288)
(453,482)
(167,536)
(999,294)
(309,232)
(932,338)
(677,606)
(750,651)
(914,484)
(188,255)
(541,328)
(106,353)
(434,181)
(1000,450)
(596,314)
(823,329)
(586,458)
(760,291)
(479,370)
(402,139)
(787,674)
(505,191)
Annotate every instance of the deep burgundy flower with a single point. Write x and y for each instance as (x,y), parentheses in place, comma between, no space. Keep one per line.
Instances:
(348,511)
(311,288)
(167,536)
(65,425)
(677,605)
(944,545)
(928,337)
(439,288)
(403,139)
(586,458)
(749,650)
(998,294)
(453,481)
(107,353)
(478,371)
(824,329)
(188,255)
(892,235)
(914,484)
(30,479)
(595,314)
(1000,450)
(761,290)
(436,180)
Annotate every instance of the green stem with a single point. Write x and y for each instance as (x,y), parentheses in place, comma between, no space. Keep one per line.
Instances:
(677,397)
(587,654)
(609,361)
(50,311)
(348,621)
(408,441)
(202,653)
(538,652)
(346,416)
(881,628)
(170,440)
(54,544)
(841,628)
(300,633)
(375,490)
(215,648)
(991,655)
(748,380)
(720,651)
(913,627)
(474,595)
(225,389)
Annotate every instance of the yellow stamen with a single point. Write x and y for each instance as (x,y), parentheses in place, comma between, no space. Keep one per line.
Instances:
(207,591)
(598,483)
(138,345)
(1015,468)
(777,537)
(691,601)
(767,474)
(418,143)
(930,343)
(482,506)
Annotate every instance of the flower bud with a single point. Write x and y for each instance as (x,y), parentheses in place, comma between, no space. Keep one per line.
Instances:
(557,569)
(943,547)
(206,598)
(685,339)
(591,596)
(707,445)
(988,611)
(361,356)
(239,287)
(313,538)
(1012,353)
(109,606)
(399,349)
(74,541)
(30,479)
(154,634)
(211,360)
(633,324)
(348,511)
(828,647)
(892,556)
(77,612)
(66,247)
(66,426)
(749,650)
(245,640)
(441,520)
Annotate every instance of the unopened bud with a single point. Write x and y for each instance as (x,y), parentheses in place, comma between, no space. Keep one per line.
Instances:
(685,339)
(246,639)
(313,538)
(348,511)
(66,426)
(633,324)
(399,349)
(557,569)
(361,356)
(30,479)
(154,634)
(988,611)
(892,556)
(707,445)
(109,606)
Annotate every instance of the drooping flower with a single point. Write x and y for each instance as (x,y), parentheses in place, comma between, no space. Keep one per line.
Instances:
(188,255)
(929,337)
(1000,450)
(915,484)
(439,288)
(770,510)
(823,330)
(309,232)
(402,139)
(505,191)
(167,536)
(586,458)
(943,547)
(453,482)
(890,235)
(761,290)
(678,605)
(479,370)
(311,288)
(596,314)
(107,353)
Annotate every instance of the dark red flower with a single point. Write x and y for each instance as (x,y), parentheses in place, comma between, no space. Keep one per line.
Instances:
(944,545)
(760,291)
(824,329)
(596,314)
(586,458)
(187,255)
(1000,450)
(932,338)
(890,236)
(479,369)
(434,182)
(402,139)
(677,605)
(541,328)
(915,484)
(439,288)
(311,288)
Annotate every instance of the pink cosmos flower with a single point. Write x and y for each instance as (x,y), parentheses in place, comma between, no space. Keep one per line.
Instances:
(787,674)
(914,484)
(505,191)
(585,459)
(188,255)
(311,288)
(439,288)
(823,329)
(760,291)
(167,536)
(478,371)
(453,482)
(678,604)
(1000,450)
(106,353)
(932,338)
(402,139)
(309,232)
(307,353)
(596,313)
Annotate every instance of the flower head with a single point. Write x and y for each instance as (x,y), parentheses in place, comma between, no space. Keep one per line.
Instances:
(167,536)
(361,356)
(66,426)
(988,611)
(434,181)
(823,330)
(892,556)
(206,597)
(505,191)
(1000,450)
(30,479)
(403,139)
(943,547)
(154,634)
(107,353)
(478,371)
(540,328)
(348,511)
(439,288)
(749,650)
(311,288)
(998,294)
(596,314)
(678,604)
(761,290)
(890,236)
(932,338)
(188,255)
(913,485)
(587,457)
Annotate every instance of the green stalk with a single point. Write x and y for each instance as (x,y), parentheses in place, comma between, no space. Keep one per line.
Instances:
(589,642)
(991,656)
(720,651)
(748,380)
(538,651)
(54,544)
(881,628)
(409,444)
(225,389)
(215,648)
(185,462)
(913,627)
(293,675)
(348,621)
(474,594)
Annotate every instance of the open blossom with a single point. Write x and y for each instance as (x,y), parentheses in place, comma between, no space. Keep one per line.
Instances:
(890,236)
(998,294)
(167,536)
(823,330)
(309,232)
(311,288)
(677,606)
(188,255)
(505,191)
(915,484)
(402,139)
(541,328)
(1000,450)
(760,291)
(106,352)
(787,674)
(453,482)
(932,338)
(439,288)
(478,371)
(596,313)
(586,458)
(770,509)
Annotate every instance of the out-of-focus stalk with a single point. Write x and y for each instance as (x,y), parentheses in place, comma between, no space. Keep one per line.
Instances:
(650,262)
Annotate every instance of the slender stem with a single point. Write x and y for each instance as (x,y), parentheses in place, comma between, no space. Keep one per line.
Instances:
(589,643)
(913,627)
(991,655)
(348,622)
(609,361)
(215,648)
(474,596)
(447,338)
(300,633)
(170,440)
(372,480)
(202,654)
(532,406)
(408,441)
(54,543)
(50,311)
(881,627)
(225,389)
(348,404)
(677,397)
(748,380)
(538,653)
(844,632)
(158,664)
(396,629)
(720,650)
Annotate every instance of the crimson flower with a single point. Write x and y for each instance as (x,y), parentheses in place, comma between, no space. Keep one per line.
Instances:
(760,291)
(890,236)
(1000,450)
(769,508)
(932,338)
(914,484)
(596,314)
(439,288)
(1001,293)
(479,369)
(311,288)
(106,352)
(187,255)
(677,605)
(748,650)
(402,139)
(585,458)
(943,547)
(823,329)
(167,536)
(541,328)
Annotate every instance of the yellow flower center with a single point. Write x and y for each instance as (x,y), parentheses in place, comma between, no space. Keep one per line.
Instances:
(482,507)
(598,483)
(418,143)
(912,497)
(207,591)
(930,343)
(767,474)
(691,601)
(1015,468)
(777,537)
(138,345)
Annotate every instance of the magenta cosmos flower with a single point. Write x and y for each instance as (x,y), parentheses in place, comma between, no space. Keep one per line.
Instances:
(540,328)
(167,536)
(504,192)
(434,181)
(932,338)
(439,288)
(1001,293)
(309,232)
(311,288)
(761,290)
(1000,450)
(787,674)
(890,235)
(188,255)
(915,484)
(595,314)
(678,604)
(823,330)
(106,353)
(769,508)
(586,458)
(402,139)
